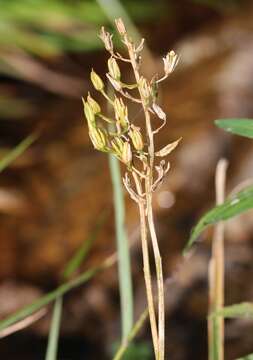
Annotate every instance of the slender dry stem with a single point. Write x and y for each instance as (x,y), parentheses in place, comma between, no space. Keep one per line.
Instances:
(216,273)
(148,192)
(146,268)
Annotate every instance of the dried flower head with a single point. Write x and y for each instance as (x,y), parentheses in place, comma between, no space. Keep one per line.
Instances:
(113,68)
(106,37)
(120,26)
(121,112)
(89,114)
(115,83)
(145,89)
(136,138)
(96,81)
(126,155)
(93,104)
(99,138)
(117,145)
(170,62)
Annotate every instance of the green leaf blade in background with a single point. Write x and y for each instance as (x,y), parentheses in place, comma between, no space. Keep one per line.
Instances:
(236,205)
(17,151)
(247,357)
(242,310)
(53,338)
(243,127)
(53,295)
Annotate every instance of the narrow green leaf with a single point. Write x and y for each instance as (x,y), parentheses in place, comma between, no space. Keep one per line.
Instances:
(17,151)
(124,263)
(84,249)
(53,295)
(69,269)
(124,346)
(242,127)
(247,357)
(233,206)
(242,310)
(52,346)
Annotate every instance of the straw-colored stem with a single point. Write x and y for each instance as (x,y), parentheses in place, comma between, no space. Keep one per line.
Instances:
(148,189)
(216,274)
(146,268)
(159,274)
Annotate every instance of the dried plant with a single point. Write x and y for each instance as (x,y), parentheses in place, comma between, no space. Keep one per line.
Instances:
(134,146)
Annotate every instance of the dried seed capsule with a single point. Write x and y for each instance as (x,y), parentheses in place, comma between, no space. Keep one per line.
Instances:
(121,112)
(136,138)
(117,145)
(120,26)
(98,138)
(126,155)
(145,89)
(96,81)
(115,83)
(114,69)
(170,62)
(106,37)
(89,114)
(93,104)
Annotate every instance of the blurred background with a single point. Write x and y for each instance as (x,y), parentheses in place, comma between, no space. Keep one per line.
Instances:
(53,197)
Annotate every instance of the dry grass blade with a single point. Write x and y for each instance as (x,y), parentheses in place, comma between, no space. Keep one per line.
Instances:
(29,320)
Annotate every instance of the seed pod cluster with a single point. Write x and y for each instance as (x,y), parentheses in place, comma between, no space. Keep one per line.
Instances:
(127,141)
(123,139)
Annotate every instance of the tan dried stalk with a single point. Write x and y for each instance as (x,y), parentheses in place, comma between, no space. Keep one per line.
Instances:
(135,148)
(216,274)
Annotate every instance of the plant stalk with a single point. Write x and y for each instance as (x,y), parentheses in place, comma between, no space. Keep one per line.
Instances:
(146,269)
(148,193)
(216,274)
(159,274)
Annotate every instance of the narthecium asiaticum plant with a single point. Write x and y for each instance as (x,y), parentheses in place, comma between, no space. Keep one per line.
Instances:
(145,166)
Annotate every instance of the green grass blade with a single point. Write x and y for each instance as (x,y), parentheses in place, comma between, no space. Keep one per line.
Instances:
(136,328)
(17,151)
(242,310)
(247,357)
(69,269)
(52,346)
(236,205)
(84,249)
(124,265)
(243,127)
(53,295)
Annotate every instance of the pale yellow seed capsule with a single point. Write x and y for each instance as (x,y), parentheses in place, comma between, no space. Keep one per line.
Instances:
(98,138)
(126,155)
(114,69)
(136,138)
(145,88)
(93,104)
(121,112)
(96,81)
(89,114)
(117,145)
